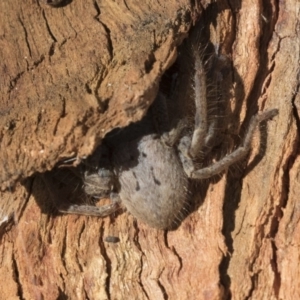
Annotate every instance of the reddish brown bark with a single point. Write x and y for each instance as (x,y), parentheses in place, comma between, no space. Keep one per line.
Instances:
(72,73)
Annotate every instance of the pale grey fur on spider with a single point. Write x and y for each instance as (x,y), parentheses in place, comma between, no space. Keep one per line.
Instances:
(149,172)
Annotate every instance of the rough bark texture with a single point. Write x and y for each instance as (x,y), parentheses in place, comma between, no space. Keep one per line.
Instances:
(70,74)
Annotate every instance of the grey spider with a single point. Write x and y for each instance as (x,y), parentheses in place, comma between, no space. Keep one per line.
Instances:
(147,167)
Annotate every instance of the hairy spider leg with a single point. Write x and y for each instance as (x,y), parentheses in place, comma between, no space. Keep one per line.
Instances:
(97,211)
(228,160)
(201,120)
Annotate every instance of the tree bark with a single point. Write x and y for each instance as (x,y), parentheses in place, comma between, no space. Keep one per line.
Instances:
(70,74)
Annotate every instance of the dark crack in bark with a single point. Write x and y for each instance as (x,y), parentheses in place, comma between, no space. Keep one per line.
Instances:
(137,244)
(17,278)
(107,262)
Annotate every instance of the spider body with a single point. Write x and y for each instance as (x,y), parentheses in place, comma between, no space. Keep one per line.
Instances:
(136,167)
(147,167)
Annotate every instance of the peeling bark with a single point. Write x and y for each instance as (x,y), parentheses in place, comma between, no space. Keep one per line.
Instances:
(72,73)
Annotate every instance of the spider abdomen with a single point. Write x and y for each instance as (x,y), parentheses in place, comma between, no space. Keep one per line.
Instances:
(153,185)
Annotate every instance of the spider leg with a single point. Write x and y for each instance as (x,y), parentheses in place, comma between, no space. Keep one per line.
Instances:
(162,124)
(228,160)
(172,137)
(201,120)
(89,210)
(207,117)
(210,140)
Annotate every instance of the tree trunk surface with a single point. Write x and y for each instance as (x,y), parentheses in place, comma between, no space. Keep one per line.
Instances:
(70,74)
